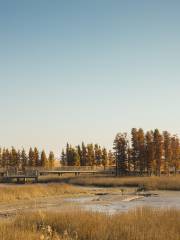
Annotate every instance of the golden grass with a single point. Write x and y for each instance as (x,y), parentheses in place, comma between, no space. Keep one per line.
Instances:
(140,224)
(154,183)
(11,193)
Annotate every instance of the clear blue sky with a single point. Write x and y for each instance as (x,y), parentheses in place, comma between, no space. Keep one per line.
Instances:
(87,69)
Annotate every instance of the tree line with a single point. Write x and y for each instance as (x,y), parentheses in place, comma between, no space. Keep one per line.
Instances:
(150,152)
(87,155)
(21,159)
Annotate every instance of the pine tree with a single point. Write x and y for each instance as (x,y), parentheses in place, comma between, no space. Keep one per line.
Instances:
(149,146)
(80,154)
(121,153)
(36,159)
(111,158)
(63,158)
(1,164)
(84,160)
(13,157)
(167,151)
(75,158)
(24,158)
(68,154)
(104,158)
(4,163)
(31,158)
(51,160)
(90,155)
(175,146)
(135,149)
(98,154)
(18,159)
(158,150)
(44,160)
(141,150)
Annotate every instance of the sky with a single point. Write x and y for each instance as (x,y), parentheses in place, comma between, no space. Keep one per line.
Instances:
(73,71)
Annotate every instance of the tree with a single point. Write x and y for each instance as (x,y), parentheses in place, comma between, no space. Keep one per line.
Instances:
(104,158)
(167,150)
(84,155)
(4,158)
(98,155)
(36,159)
(111,158)
(135,149)
(24,158)
(90,155)
(121,153)
(63,158)
(175,146)
(80,154)
(149,151)
(44,160)
(1,158)
(31,158)
(141,150)
(75,157)
(51,160)
(158,150)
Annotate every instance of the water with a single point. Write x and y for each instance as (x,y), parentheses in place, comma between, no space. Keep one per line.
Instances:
(114,203)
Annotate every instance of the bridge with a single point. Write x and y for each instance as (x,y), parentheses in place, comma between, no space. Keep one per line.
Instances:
(33,174)
(20,176)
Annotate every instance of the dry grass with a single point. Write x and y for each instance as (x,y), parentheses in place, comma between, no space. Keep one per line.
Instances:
(153,183)
(11,193)
(140,224)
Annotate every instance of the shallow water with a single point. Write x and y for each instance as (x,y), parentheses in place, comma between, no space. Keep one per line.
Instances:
(114,203)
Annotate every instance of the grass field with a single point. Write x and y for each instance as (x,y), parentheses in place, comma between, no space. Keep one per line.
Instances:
(11,193)
(140,224)
(150,183)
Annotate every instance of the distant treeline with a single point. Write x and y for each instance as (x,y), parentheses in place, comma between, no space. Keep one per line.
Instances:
(87,155)
(150,152)
(20,159)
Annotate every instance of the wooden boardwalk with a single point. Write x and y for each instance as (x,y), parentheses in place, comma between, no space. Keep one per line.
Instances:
(33,174)
(61,172)
(20,176)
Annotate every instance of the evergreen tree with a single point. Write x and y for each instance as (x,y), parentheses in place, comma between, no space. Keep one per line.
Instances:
(63,158)
(4,163)
(121,153)
(158,150)
(111,158)
(36,159)
(135,149)
(104,158)
(18,159)
(80,154)
(75,158)
(44,160)
(51,160)
(167,151)
(175,146)
(84,160)
(149,145)
(1,164)
(141,151)
(68,154)
(98,154)
(24,158)
(31,158)
(90,155)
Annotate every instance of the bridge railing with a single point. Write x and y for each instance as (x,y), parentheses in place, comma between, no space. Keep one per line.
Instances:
(25,173)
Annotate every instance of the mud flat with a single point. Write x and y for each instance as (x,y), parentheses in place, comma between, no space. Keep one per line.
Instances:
(107,200)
